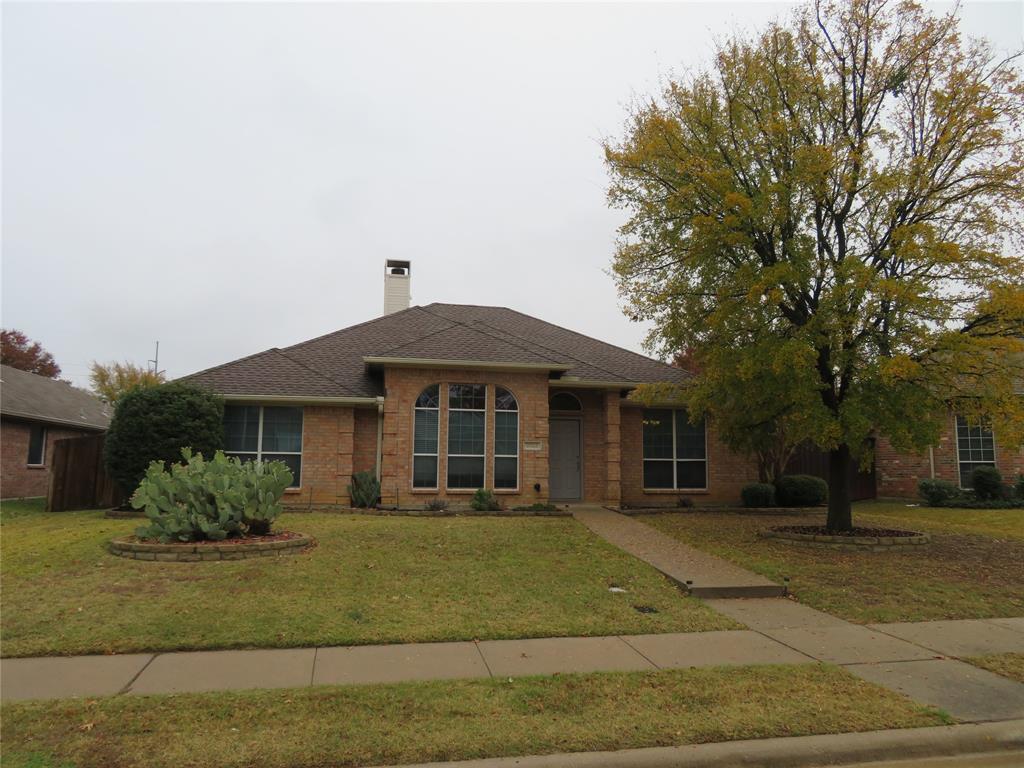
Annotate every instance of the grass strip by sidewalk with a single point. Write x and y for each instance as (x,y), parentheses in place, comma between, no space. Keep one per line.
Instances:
(412,722)
(369,580)
(1006,664)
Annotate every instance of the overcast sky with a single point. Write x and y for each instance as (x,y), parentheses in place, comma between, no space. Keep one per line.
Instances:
(231,177)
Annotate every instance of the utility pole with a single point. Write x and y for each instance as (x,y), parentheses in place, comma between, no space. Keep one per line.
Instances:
(156,359)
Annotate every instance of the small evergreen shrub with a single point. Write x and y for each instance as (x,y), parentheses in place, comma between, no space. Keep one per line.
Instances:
(684,502)
(1019,488)
(758,495)
(155,423)
(210,499)
(484,501)
(801,491)
(936,492)
(436,505)
(364,490)
(987,483)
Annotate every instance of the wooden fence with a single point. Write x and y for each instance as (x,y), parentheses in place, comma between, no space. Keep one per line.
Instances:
(77,477)
(809,460)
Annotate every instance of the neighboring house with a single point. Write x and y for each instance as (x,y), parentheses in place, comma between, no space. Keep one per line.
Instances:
(35,412)
(444,399)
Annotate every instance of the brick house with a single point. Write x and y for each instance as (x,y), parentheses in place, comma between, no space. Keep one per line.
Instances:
(443,399)
(36,412)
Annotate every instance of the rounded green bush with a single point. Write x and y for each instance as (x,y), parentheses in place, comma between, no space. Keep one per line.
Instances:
(801,491)
(155,423)
(758,495)
(937,492)
(987,483)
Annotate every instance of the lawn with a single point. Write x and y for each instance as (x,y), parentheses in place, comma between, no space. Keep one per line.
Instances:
(450,720)
(370,580)
(1006,664)
(974,567)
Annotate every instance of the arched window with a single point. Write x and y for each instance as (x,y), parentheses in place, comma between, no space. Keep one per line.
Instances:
(506,440)
(424,452)
(467,433)
(564,401)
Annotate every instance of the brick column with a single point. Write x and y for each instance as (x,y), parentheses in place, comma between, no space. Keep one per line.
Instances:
(613,449)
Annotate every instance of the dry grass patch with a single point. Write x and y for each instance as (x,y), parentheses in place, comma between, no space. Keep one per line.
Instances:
(385,724)
(369,580)
(1006,664)
(962,574)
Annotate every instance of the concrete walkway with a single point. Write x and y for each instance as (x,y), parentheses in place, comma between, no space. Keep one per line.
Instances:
(703,575)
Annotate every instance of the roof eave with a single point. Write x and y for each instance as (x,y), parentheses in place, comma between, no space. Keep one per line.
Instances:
(53,420)
(479,365)
(568,382)
(298,400)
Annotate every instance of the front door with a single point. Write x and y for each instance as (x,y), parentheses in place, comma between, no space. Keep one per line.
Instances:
(564,463)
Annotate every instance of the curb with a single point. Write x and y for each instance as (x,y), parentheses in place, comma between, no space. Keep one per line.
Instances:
(785,752)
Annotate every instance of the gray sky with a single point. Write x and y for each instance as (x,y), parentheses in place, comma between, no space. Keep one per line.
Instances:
(230,177)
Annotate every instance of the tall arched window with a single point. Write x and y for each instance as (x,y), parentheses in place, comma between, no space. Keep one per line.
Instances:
(467,431)
(506,440)
(424,452)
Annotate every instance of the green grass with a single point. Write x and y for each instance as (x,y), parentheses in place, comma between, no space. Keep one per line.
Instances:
(360,725)
(369,580)
(1006,664)
(974,567)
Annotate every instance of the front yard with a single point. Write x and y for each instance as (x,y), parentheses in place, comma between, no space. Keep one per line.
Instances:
(370,580)
(384,724)
(974,567)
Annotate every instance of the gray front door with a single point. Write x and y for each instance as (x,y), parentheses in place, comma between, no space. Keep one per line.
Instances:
(564,464)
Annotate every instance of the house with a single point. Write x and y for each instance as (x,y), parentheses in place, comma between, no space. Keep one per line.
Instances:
(443,399)
(35,412)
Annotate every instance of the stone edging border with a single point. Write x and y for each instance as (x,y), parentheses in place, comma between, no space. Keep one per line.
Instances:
(192,553)
(852,543)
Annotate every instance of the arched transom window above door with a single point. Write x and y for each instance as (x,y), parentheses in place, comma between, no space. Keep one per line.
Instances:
(564,401)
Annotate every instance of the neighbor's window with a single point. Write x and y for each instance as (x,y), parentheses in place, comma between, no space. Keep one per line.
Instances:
(466,409)
(37,445)
(424,453)
(675,451)
(975,447)
(265,433)
(506,440)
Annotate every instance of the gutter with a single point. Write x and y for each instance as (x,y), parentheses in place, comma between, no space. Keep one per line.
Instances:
(51,420)
(300,399)
(380,436)
(570,383)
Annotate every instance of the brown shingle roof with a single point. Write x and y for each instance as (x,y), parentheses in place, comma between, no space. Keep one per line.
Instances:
(36,398)
(333,365)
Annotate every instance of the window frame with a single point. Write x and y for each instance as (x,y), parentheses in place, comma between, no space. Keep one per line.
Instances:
(675,455)
(258,453)
(42,446)
(495,455)
(437,454)
(964,483)
(448,438)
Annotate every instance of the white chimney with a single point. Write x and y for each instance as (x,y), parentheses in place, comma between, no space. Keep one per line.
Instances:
(396,285)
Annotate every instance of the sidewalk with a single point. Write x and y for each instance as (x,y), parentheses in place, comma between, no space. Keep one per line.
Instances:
(782,632)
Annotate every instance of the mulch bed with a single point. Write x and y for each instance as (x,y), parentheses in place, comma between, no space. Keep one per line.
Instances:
(821,530)
(244,539)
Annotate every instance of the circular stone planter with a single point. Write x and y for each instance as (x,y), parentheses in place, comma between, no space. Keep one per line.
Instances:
(859,539)
(283,543)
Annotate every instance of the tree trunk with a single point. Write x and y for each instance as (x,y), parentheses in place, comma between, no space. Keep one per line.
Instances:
(840,515)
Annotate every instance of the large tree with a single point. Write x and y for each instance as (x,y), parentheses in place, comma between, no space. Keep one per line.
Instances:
(111,381)
(831,213)
(19,351)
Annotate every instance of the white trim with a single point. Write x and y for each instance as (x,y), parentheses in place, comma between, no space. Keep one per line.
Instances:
(448,441)
(437,440)
(41,464)
(675,459)
(519,433)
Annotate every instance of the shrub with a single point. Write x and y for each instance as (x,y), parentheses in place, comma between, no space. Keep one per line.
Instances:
(484,501)
(155,423)
(987,483)
(801,491)
(436,505)
(758,495)
(684,502)
(1019,488)
(365,490)
(210,499)
(937,492)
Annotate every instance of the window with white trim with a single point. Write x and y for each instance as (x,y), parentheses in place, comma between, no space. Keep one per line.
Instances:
(467,405)
(265,433)
(36,445)
(427,416)
(506,440)
(975,446)
(674,451)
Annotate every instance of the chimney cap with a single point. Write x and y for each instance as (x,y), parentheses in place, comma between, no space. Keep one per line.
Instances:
(397,267)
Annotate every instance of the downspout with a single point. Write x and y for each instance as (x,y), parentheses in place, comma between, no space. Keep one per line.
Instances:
(931,461)
(380,435)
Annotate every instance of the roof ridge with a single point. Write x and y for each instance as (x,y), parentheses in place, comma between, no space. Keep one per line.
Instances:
(419,338)
(229,362)
(353,327)
(493,336)
(317,371)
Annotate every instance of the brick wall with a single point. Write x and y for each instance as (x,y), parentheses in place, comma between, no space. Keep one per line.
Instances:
(727,472)
(17,479)
(898,473)
(364,449)
(403,386)
(327,456)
